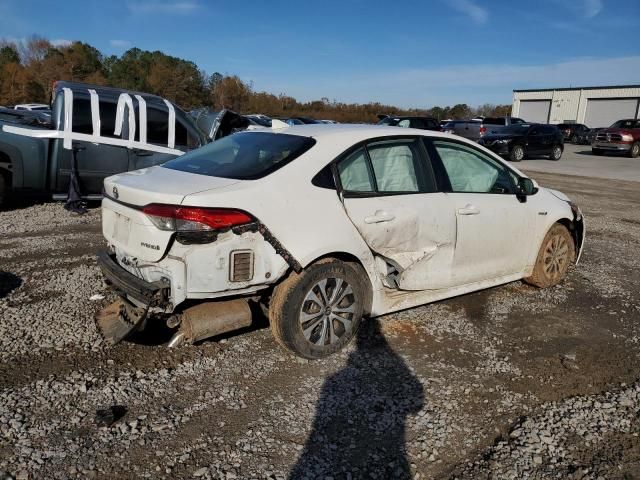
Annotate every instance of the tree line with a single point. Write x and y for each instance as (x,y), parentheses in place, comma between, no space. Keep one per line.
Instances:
(28,70)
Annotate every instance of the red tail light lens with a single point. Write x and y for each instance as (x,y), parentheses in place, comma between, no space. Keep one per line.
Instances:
(194,219)
(483,130)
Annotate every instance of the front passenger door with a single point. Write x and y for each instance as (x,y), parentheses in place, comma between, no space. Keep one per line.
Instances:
(493,226)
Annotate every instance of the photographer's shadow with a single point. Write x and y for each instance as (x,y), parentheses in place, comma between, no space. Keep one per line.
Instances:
(359,427)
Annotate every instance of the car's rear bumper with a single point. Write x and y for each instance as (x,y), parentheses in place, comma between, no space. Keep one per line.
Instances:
(612,147)
(154,294)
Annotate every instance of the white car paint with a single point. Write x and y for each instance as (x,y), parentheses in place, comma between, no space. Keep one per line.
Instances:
(443,244)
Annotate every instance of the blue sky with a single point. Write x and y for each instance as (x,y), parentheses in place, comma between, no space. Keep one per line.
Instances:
(411,53)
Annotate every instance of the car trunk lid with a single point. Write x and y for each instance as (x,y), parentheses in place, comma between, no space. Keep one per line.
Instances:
(127,227)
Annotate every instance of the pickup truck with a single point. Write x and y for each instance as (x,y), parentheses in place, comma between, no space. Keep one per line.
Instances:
(621,137)
(475,129)
(96,132)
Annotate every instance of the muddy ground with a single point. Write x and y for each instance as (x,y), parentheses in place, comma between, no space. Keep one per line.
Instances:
(511,382)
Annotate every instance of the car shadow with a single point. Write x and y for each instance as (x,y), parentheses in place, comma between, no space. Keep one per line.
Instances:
(8,283)
(359,427)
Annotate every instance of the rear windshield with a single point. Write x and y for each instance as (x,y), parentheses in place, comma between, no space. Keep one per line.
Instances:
(243,156)
(494,121)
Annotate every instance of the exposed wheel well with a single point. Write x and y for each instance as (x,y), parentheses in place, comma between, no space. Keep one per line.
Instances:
(357,264)
(575,230)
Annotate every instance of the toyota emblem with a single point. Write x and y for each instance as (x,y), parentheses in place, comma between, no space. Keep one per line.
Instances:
(115,192)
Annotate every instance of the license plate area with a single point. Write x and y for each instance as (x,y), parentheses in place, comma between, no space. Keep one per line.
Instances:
(121,229)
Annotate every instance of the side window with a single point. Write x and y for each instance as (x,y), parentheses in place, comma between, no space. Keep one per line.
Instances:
(386,167)
(469,170)
(354,173)
(81,120)
(517,120)
(418,123)
(157,126)
(395,166)
(405,123)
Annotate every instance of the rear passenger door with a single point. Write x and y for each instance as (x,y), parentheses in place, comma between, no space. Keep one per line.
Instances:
(493,226)
(390,194)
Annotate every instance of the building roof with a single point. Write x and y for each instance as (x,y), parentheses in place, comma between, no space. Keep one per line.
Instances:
(603,87)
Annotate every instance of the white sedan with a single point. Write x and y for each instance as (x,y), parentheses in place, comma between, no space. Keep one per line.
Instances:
(322,225)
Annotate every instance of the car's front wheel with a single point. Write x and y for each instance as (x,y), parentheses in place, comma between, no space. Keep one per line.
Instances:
(556,255)
(317,312)
(517,153)
(635,150)
(556,152)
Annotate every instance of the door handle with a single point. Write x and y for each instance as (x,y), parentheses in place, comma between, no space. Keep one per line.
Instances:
(379,217)
(468,210)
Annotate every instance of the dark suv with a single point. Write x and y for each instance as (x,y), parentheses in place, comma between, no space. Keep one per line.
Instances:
(519,141)
(573,132)
(423,123)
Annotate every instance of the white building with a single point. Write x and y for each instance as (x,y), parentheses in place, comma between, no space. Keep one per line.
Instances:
(593,106)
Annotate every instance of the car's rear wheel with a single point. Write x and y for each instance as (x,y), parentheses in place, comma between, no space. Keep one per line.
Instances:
(574,139)
(556,255)
(597,151)
(317,312)
(635,150)
(556,152)
(517,153)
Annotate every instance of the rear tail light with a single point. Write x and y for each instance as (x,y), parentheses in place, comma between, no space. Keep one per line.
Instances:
(483,130)
(194,219)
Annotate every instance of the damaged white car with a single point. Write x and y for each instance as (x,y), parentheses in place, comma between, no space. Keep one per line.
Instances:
(323,225)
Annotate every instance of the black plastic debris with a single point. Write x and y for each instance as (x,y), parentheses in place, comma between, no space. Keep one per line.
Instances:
(105,417)
(75,203)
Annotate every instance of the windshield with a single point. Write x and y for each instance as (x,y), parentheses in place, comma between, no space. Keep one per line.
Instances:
(520,129)
(243,156)
(626,124)
(389,121)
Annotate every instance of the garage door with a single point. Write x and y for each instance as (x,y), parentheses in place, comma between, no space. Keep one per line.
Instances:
(535,111)
(602,112)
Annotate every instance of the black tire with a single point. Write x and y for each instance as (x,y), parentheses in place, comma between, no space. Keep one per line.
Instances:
(325,333)
(635,150)
(557,253)
(556,153)
(517,153)
(597,152)
(3,189)
(574,139)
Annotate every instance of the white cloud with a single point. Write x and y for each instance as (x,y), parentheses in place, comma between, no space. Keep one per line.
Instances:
(475,12)
(60,42)
(120,43)
(183,7)
(592,8)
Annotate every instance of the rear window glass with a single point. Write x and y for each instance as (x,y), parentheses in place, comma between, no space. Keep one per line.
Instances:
(243,156)
(494,121)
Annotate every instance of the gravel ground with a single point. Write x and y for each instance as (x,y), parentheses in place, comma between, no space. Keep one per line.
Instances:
(511,382)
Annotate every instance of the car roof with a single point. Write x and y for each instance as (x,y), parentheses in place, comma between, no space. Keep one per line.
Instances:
(354,132)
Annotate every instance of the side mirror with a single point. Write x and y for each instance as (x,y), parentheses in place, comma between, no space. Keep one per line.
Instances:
(527,186)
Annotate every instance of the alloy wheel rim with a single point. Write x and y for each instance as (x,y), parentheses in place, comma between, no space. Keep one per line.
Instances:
(519,153)
(556,257)
(556,152)
(327,311)
(635,149)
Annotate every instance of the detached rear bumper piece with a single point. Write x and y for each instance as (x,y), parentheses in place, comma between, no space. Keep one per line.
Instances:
(151,294)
